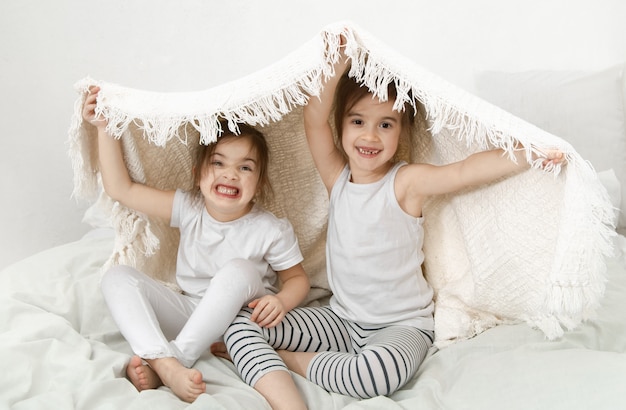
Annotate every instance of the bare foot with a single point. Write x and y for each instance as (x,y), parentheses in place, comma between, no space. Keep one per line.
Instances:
(219,349)
(141,375)
(185,383)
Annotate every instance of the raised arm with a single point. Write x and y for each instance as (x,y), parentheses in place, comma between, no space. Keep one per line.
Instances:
(418,181)
(328,159)
(115,178)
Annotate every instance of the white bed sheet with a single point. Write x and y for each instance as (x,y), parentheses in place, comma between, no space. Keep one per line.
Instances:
(60,349)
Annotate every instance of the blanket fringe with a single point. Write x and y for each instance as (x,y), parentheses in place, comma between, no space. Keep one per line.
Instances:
(132,230)
(265,97)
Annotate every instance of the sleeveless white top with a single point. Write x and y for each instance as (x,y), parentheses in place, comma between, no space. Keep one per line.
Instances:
(374,255)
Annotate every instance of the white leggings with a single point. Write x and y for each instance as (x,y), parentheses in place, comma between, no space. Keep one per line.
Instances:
(354,359)
(158,322)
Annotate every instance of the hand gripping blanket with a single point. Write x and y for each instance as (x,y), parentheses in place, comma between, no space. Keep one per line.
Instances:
(526,248)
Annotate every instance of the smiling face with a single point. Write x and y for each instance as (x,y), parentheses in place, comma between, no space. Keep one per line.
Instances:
(229,178)
(371,132)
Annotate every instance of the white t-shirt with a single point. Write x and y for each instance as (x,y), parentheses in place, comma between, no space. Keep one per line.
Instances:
(207,244)
(374,255)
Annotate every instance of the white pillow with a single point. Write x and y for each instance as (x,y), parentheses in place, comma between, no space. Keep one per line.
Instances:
(585,108)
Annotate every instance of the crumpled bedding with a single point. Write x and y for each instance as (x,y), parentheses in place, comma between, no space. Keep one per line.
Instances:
(60,349)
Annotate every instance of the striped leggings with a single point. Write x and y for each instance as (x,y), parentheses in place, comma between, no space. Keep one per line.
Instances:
(354,360)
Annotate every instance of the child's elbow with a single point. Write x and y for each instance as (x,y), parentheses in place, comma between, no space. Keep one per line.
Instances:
(116,193)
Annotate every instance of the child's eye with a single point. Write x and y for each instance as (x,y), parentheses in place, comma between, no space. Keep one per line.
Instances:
(246,168)
(357,122)
(216,163)
(385,125)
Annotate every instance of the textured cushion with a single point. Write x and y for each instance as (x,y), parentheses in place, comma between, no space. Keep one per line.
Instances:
(585,108)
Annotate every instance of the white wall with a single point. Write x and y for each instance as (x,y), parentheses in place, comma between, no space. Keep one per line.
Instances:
(189,45)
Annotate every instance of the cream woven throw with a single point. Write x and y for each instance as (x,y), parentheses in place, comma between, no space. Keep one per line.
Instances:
(528,248)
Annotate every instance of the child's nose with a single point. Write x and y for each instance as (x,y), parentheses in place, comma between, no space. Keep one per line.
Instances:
(230,173)
(370,134)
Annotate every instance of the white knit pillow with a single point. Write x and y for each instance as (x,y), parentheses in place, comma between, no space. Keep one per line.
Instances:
(586,108)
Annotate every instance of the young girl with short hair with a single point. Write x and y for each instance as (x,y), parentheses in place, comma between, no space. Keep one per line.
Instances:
(232,253)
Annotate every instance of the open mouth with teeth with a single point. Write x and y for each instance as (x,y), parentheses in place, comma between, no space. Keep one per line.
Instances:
(367,151)
(225,190)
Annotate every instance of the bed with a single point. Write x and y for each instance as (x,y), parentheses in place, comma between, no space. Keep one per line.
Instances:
(60,349)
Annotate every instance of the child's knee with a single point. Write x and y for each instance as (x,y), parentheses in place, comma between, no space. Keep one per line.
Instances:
(240,276)
(387,374)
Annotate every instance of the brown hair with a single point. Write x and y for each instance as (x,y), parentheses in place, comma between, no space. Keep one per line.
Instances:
(349,92)
(259,145)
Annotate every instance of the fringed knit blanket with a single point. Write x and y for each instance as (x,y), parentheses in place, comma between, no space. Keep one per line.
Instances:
(527,248)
